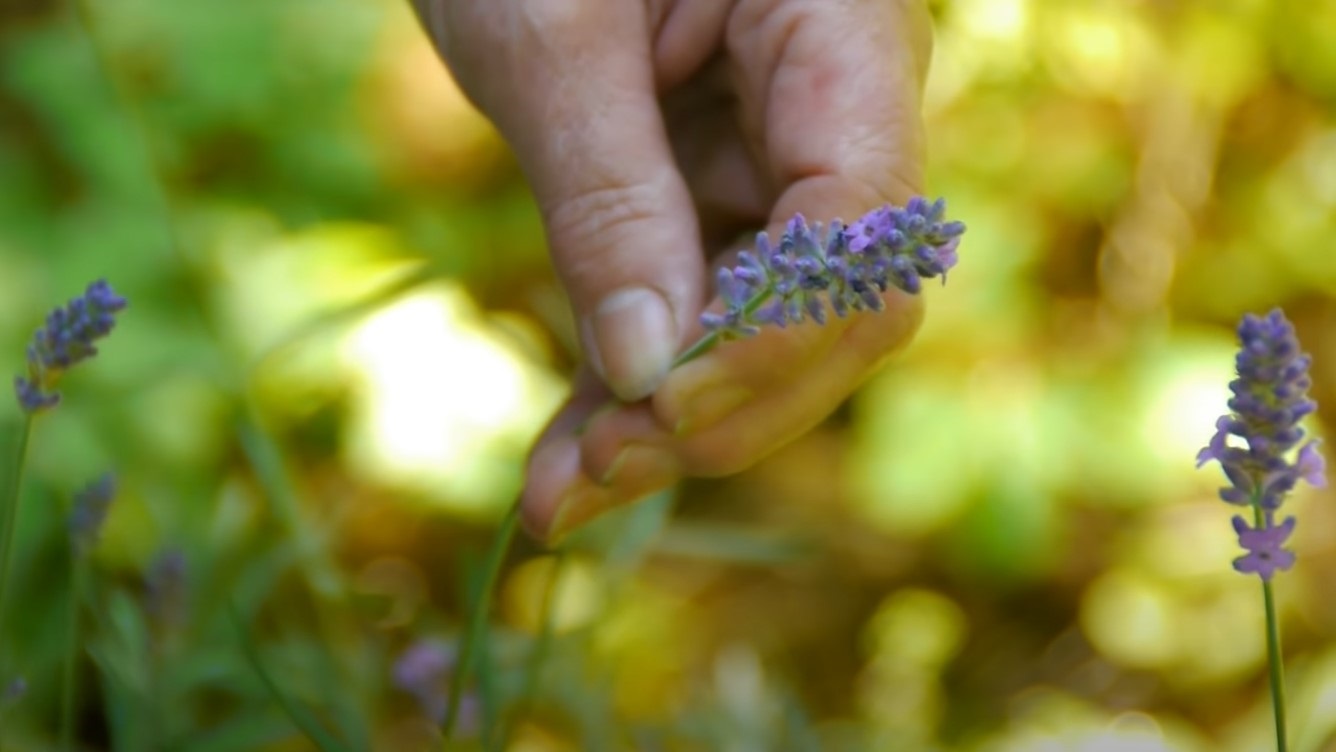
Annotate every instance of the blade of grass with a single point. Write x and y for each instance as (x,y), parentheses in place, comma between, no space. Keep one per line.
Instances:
(538,654)
(267,461)
(404,283)
(68,679)
(119,645)
(489,695)
(9,514)
(327,587)
(302,718)
(477,622)
(240,734)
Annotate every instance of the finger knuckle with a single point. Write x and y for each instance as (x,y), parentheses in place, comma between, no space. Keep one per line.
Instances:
(607,210)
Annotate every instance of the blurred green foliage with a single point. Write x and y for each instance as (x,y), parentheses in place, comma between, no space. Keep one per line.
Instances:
(344,332)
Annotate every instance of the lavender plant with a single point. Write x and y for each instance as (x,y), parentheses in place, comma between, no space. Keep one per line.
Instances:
(68,338)
(1270,398)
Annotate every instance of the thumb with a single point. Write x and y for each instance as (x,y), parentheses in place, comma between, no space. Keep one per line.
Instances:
(573,91)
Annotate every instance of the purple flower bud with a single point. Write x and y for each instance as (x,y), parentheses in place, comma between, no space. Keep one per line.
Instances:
(771,313)
(733,287)
(66,340)
(816,309)
(1310,467)
(31,398)
(1270,398)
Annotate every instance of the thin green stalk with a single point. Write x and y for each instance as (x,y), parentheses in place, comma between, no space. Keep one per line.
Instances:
(478,618)
(546,631)
(707,342)
(10,512)
(68,679)
(488,693)
(701,346)
(1277,668)
(541,647)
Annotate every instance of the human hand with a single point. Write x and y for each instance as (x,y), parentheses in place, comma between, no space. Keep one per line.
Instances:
(653,133)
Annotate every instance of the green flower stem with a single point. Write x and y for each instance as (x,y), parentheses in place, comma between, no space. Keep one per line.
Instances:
(1277,669)
(707,342)
(9,513)
(478,618)
(702,346)
(1273,652)
(68,681)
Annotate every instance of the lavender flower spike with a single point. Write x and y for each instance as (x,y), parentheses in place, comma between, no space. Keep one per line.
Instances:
(843,268)
(167,590)
(90,511)
(1270,399)
(66,340)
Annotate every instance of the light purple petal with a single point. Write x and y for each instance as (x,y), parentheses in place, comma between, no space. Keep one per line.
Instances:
(1311,467)
(1216,449)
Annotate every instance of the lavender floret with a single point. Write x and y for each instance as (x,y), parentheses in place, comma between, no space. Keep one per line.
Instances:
(67,340)
(844,269)
(1270,398)
(1264,546)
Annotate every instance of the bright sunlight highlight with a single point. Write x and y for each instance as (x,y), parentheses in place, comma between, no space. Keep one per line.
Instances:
(445,405)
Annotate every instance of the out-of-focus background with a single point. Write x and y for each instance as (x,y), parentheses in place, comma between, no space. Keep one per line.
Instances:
(344,332)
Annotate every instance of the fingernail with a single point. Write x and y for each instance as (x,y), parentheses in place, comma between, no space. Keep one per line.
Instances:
(638,465)
(711,406)
(631,339)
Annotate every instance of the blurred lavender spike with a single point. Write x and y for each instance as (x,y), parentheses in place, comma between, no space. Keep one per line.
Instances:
(845,269)
(1270,398)
(67,340)
(166,588)
(14,690)
(422,671)
(90,511)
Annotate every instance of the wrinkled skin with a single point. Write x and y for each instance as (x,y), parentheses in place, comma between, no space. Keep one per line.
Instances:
(654,134)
